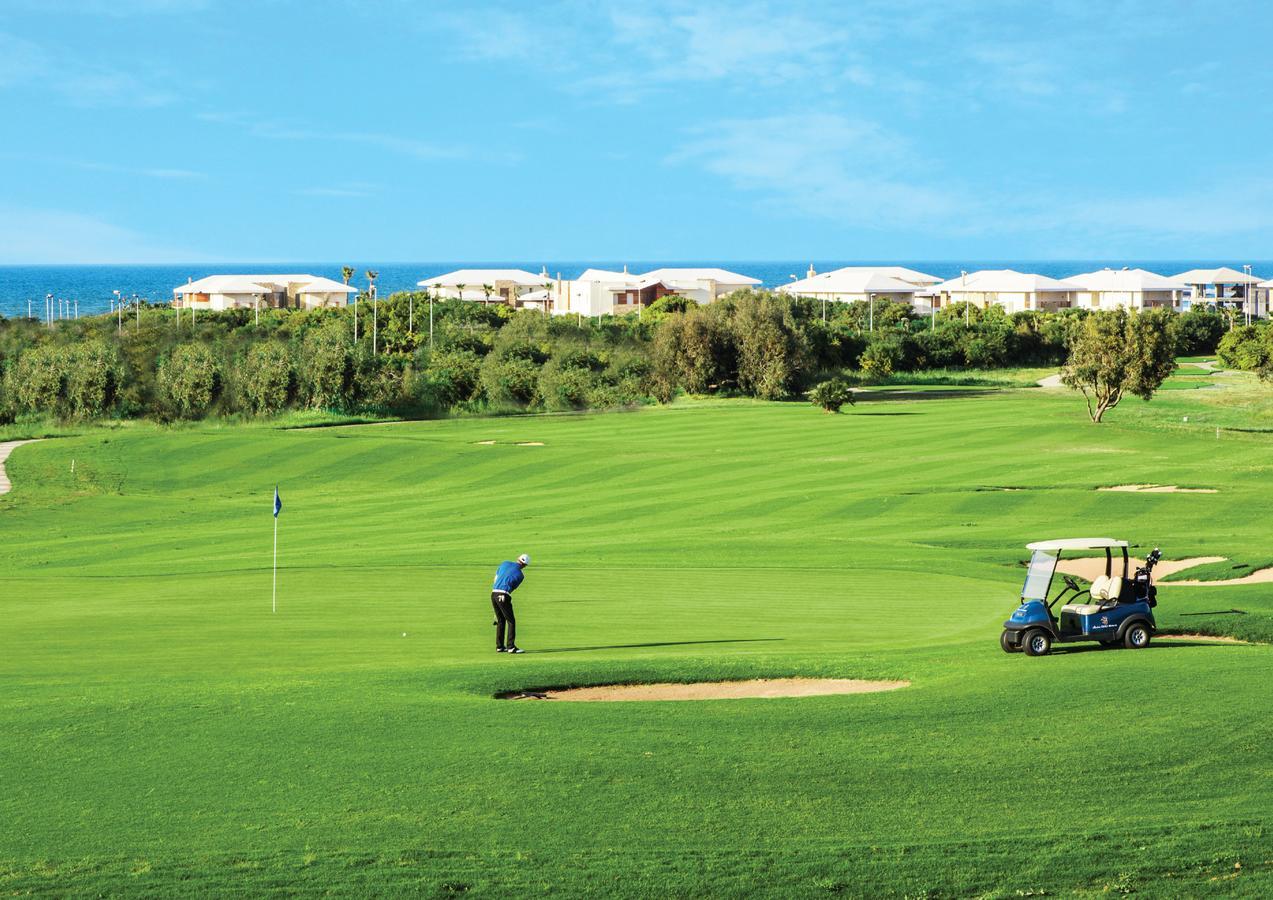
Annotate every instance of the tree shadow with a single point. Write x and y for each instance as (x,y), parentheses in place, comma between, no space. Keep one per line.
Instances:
(653,644)
(877,396)
(1218,612)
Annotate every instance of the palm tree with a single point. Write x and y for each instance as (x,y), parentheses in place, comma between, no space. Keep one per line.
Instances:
(372,275)
(548,286)
(460,288)
(488,289)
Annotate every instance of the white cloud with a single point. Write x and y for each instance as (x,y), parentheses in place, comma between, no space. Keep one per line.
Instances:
(24,63)
(857,174)
(851,171)
(39,236)
(167,174)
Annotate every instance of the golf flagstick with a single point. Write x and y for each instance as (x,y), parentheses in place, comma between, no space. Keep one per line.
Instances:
(278,506)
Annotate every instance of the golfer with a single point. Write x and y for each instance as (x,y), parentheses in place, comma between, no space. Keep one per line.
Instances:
(507,577)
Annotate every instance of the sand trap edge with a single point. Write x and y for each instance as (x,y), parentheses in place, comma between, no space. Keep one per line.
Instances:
(1156,489)
(756,688)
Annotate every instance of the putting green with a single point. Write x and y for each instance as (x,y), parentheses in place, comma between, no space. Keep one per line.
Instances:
(165,734)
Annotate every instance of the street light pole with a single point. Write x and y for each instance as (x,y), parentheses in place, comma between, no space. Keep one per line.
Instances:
(1246,300)
(963,292)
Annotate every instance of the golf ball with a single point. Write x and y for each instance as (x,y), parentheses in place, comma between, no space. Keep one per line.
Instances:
(404,634)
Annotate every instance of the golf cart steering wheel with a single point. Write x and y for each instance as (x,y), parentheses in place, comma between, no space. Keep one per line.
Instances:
(1071,584)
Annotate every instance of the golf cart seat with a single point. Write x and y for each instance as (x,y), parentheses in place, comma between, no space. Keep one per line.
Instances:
(1106,588)
(1104,592)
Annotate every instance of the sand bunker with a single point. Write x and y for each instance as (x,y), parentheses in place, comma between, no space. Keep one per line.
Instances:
(530,443)
(486,443)
(1259,576)
(1157,489)
(714,690)
(1090,568)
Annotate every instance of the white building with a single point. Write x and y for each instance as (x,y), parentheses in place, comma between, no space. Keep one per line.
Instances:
(1224,286)
(509,286)
(601,292)
(700,285)
(1014,291)
(248,291)
(1263,298)
(1130,288)
(862,283)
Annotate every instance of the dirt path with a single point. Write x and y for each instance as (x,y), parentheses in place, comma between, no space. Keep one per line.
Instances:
(716,690)
(5,449)
(1052,381)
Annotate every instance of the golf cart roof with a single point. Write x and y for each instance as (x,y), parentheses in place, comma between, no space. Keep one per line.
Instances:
(1076,544)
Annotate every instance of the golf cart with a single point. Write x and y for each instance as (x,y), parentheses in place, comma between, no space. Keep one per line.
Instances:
(1112,610)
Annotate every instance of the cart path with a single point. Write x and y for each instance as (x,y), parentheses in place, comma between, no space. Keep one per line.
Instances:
(1052,381)
(6,448)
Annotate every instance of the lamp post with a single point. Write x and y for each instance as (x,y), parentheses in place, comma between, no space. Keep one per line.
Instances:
(1246,300)
(437,292)
(137,304)
(375,309)
(119,311)
(963,291)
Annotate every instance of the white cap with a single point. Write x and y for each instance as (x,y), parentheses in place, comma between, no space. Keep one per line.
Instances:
(524,559)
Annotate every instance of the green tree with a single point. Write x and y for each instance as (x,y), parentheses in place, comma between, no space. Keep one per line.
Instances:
(882,357)
(456,375)
(688,351)
(327,370)
(512,380)
(1198,331)
(1118,352)
(268,379)
(92,372)
(38,382)
(189,380)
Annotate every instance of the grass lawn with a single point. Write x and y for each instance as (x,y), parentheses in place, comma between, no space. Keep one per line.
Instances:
(164,734)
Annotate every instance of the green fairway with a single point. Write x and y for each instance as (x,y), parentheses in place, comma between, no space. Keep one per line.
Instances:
(164,734)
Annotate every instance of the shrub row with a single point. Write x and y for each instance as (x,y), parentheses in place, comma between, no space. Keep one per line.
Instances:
(167,366)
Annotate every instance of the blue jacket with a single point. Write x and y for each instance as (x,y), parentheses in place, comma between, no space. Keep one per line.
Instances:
(507,577)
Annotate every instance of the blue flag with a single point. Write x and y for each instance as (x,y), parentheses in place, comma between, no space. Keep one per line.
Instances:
(278,504)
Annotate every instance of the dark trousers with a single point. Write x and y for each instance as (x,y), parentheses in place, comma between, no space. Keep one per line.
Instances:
(503,604)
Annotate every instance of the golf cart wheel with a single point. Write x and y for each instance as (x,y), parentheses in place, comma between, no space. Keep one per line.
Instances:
(1005,641)
(1137,637)
(1036,643)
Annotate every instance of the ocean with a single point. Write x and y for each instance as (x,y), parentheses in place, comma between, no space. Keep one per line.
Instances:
(91,287)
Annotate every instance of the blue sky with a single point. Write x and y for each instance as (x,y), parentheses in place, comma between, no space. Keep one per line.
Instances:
(217,130)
